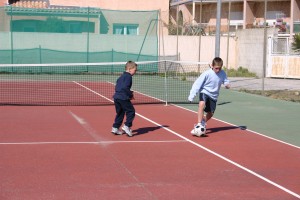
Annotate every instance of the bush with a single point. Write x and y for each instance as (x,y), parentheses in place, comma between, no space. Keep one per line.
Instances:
(296,42)
(240,72)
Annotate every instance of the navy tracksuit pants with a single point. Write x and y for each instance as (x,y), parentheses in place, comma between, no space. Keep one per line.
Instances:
(123,107)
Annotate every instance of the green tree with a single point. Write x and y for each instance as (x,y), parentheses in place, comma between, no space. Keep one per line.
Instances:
(53,25)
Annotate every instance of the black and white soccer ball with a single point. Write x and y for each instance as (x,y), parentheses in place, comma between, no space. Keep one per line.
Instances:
(198,130)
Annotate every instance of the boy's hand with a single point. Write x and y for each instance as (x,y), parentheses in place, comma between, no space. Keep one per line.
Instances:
(132,98)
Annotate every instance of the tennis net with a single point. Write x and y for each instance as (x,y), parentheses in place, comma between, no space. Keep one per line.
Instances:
(93,83)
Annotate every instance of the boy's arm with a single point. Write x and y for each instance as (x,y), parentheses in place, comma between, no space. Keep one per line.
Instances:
(226,82)
(127,86)
(196,87)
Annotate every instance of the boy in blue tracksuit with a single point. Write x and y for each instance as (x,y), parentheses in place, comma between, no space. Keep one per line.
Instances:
(208,86)
(122,102)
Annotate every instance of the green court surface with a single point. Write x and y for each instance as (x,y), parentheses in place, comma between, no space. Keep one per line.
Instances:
(274,118)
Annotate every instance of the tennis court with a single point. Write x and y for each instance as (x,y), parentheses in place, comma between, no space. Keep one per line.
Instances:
(67,151)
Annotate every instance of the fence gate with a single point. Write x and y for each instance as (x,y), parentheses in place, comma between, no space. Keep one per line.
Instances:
(283,62)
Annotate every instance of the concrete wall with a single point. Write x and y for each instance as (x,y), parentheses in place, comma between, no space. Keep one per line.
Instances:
(250,45)
(188,48)
(245,50)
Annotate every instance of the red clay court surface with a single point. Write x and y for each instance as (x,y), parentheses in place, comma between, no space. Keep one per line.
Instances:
(66,152)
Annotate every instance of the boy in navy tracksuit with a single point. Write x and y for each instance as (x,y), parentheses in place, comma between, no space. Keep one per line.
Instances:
(122,102)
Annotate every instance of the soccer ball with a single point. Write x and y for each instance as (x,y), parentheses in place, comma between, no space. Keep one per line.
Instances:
(198,130)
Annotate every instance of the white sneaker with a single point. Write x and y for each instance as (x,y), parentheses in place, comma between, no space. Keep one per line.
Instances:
(127,130)
(198,130)
(116,131)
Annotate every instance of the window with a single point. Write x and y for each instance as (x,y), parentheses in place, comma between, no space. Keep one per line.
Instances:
(29,29)
(75,28)
(126,29)
(24,25)
(236,15)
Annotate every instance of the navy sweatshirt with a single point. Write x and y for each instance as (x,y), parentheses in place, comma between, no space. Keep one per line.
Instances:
(123,86)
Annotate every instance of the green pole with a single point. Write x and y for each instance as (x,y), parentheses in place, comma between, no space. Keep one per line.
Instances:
(11,38)
(112,60)
(88,37)
(40,53)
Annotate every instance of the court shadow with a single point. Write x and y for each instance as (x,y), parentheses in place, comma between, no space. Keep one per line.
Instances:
(224,128)
(145,130)
(223,103)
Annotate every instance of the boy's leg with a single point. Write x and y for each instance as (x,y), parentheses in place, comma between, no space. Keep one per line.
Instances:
(130,113)
(203,100)
(208,116)
(199,128)
(120,114)
(201,111)
(210,108)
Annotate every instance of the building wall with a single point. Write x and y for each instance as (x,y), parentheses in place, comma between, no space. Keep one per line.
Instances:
(249,15)
(81,3)
(297,10)
(4,20)
(117,4)
(253,12)
(3,2)
(140,5)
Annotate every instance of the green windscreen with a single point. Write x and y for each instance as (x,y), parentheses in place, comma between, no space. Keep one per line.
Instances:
(76,35)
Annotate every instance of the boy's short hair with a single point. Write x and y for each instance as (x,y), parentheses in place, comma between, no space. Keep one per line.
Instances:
(217,61)
(130,65)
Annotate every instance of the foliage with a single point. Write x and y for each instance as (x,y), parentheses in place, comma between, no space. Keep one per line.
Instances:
(240,72)
(296,42)
(286,95)
(53,25)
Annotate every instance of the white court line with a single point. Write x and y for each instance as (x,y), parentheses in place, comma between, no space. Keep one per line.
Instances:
(224,158)
(92,91)
(212,152)
(246,129)
(100,142)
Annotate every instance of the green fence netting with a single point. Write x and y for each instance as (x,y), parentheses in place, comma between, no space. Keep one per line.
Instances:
(76,35)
